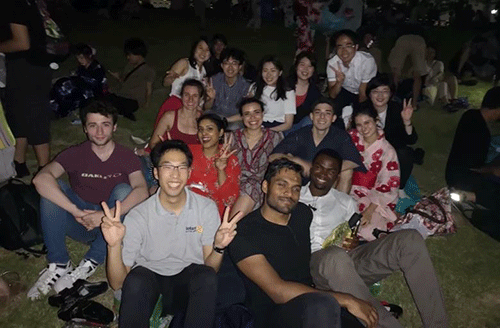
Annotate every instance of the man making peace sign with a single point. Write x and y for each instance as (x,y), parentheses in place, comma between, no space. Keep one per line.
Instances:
(157,248)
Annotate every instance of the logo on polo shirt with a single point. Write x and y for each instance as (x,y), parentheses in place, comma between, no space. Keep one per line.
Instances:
(198,229)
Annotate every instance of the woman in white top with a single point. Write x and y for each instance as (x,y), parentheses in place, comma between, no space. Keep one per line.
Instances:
(189,68)
(271,89)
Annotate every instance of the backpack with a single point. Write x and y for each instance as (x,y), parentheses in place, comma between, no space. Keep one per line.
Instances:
(20,227)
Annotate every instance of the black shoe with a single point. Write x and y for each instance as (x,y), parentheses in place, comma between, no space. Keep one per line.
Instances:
(81,290)
(21,169)
(87,310)
(418,156)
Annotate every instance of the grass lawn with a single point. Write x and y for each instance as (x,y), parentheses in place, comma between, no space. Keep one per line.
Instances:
(467,262)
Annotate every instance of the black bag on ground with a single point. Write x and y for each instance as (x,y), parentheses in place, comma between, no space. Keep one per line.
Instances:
(19,217)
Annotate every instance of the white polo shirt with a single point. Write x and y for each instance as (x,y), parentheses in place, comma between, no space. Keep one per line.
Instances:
(362,69)
(329,211)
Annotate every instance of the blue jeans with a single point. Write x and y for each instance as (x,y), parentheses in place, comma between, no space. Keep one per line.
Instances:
(303,122)
(57,223)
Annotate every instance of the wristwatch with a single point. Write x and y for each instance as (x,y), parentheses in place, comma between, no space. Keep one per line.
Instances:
(219,250)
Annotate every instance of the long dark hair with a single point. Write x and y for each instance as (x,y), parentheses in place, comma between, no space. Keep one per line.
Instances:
(281,86)
(293,74)
(191,59)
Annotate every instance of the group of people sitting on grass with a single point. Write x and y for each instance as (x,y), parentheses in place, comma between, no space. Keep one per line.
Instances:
(232,185)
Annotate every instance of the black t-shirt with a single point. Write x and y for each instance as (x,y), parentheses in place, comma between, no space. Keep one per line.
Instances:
(25,12)
(286,248)
(469,150)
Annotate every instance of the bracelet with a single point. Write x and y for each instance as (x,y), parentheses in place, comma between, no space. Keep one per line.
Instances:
(219,250)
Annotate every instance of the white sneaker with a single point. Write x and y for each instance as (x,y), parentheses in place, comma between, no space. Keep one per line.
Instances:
(85,269)
(48,277)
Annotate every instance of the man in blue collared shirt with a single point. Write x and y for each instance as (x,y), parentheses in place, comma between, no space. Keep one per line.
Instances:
(226,89)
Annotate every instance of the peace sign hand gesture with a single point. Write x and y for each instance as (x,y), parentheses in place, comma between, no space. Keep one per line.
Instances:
(339,75)
(112,228)
(210,91)
(407,111)
(224,153)
(227,229)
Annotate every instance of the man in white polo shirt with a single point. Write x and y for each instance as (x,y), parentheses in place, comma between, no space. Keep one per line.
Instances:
(349,72)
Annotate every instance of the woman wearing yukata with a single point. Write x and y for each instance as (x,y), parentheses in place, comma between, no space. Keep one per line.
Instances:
(215,171)
(376,191)
(253,145)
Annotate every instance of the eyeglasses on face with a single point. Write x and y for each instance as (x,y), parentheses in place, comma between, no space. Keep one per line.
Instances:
(171,168)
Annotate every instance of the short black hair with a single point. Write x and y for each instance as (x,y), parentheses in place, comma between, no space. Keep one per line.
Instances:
(83,49)
(234,53)
(382,79)
(219,37)
(491,99)
(193,83)
(218,120)
(324,100)
(278,165)
(135,46)
(250,100)
(168,145)
(350,34)
(99,106)
(330,153)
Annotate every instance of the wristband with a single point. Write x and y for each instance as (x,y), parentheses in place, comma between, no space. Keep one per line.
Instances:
(219,250)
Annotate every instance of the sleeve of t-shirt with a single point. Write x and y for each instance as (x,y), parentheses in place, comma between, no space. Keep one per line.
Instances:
(347,150)
(211,222)
(242,246)
(369,69)
(133,237)
(67,157)
(288,145)
(290,107)
(330,73)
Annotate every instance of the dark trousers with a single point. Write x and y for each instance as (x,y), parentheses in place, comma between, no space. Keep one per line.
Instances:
(192,291)
(125,106)
(311,310)
(344,98)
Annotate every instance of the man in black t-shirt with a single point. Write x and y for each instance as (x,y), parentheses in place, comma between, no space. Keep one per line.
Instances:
(272,249)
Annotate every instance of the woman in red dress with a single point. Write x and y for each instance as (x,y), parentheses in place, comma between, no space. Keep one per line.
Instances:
(215,171)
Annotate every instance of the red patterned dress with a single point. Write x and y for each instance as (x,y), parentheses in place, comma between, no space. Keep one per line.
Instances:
(379,185)
(203,179)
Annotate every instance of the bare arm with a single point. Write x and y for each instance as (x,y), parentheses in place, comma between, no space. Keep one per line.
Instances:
(234,118)
(179,69)
(164,125)
(114,231)
(334,88)
(20,40)
(223,237)
(287,125)
(46,184)
(362,92)
(258,269)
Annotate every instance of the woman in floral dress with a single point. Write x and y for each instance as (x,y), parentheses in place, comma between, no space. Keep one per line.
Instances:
(376,191)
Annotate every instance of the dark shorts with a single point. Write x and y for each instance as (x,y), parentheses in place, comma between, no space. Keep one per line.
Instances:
(27,100)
